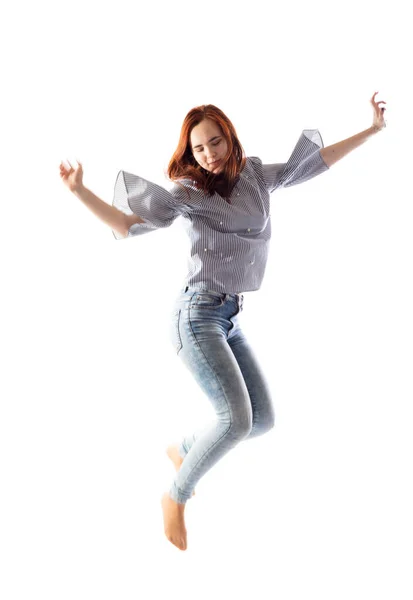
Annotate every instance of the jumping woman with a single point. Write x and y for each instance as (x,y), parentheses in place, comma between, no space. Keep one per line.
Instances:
(224,199)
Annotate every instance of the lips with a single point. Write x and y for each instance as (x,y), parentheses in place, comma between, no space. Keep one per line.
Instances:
(214,163)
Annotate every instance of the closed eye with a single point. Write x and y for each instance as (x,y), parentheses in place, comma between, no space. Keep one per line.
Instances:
(216,144)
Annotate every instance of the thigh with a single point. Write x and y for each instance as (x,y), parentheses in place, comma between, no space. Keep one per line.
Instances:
(254,378)
(200,336)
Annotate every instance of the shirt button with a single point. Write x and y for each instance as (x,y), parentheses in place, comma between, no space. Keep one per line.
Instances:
(205,249)
(220,222)
(248,229)
(238,194)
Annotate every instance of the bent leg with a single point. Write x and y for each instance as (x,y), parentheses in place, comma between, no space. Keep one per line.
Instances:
(210,359)
(259,394)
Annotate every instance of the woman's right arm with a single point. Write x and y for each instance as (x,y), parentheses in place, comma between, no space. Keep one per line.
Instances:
(110,215)
(116,219)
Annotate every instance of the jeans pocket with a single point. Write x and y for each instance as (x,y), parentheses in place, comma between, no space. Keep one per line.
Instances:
(174,331)
(207,300)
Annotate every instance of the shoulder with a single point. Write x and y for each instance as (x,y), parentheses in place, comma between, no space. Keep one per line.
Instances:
(253,162)
(254,166)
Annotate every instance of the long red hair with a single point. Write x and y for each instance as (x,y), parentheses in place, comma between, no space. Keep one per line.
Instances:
(183,164)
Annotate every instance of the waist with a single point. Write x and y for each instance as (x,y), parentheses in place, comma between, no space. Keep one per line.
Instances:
(193,289)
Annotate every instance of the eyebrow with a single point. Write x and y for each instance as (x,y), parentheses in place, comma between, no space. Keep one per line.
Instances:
(211,140)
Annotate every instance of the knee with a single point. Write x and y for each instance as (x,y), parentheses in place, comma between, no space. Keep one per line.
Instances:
(266,427)
(244,428)
(269,421)
(262,427)
(240,430)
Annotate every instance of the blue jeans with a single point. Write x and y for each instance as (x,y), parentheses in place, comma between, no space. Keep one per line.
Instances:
(206,334)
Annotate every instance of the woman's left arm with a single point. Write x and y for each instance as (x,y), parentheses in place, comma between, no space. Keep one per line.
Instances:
(331,154)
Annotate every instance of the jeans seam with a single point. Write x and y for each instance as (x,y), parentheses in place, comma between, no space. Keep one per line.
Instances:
(222,388)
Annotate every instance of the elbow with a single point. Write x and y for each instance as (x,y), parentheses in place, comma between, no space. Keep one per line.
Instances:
(120,228)
(127,222)
(119,234)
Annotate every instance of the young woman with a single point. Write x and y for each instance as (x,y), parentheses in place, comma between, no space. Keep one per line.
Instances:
(224,198)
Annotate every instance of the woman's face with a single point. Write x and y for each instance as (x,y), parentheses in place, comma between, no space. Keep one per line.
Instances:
(208,145)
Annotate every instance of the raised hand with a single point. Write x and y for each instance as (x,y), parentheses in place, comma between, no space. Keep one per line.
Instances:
(72,177)
(378,120)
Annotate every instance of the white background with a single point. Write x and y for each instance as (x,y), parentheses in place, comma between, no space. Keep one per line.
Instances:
(92,391)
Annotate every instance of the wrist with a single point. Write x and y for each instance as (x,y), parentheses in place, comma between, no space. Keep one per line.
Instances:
(78,191)
(376,128)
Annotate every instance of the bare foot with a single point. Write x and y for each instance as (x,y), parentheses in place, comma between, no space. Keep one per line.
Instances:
(173,453)
(173,519)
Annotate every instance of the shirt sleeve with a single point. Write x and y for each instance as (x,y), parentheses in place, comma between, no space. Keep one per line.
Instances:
(148,200)
(304,163)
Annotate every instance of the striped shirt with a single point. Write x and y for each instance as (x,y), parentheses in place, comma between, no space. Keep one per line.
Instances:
(229,242)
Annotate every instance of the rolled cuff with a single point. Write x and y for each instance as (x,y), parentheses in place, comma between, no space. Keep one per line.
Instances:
(305,161)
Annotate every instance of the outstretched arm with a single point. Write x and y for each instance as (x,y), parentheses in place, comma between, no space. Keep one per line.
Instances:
(110,215)
(331,154)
